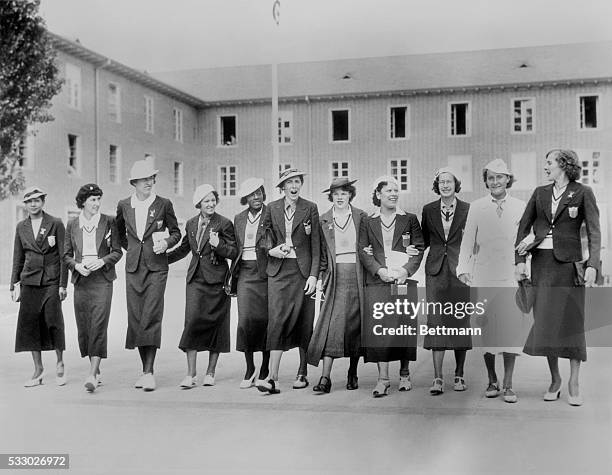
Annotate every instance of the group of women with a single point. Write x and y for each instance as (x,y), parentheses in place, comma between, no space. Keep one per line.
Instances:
(284,256)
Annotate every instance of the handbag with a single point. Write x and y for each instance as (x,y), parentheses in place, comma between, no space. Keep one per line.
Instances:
(525,296)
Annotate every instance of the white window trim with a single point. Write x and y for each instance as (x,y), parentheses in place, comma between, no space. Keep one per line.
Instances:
(179,115)
(331,167)
(118,171)
(331,125)
(398,139)
(79,157)
(118,104)
(219,142)
(220,187)
(599,112)
(468,119)
(149,99)
(280,116)
(181,187)
(533,123)
(409,165)
(75,68)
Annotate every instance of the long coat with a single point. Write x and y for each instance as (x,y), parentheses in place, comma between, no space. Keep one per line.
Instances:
(328,276)
(107,244)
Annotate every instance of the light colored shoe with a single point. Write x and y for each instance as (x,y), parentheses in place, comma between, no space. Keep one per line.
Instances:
(301,382)
(209,380)
(459,384)
(248,383)
(548,396)
(510,396)
(405,384)
(148,382)
(575,400)
(263,385)
(492,390)
(188,382)
(34,382)
(437,387)
(140,382)
(91,383)
(382,388)
(60,375)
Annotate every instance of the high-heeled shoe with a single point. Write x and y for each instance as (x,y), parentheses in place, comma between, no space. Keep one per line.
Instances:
(34,381)
(247,383)
(382,388)
(324,385)
(60,379)
(552,396)
(352,382)
(575,400)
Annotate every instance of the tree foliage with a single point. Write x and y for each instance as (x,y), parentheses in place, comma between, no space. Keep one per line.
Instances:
(29,78)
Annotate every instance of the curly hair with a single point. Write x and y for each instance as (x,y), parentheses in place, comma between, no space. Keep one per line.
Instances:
(350,188)
(215,194)
(243,200)
(436,184)
(91,189)
(379,186)
(568,162)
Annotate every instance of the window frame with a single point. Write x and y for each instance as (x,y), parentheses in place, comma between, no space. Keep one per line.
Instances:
(178,182)
(468,119)
(117,118)
(117,164)
(220,143)
(406,122)
(220,185)
(331,125)
(149,112)
(408,169)
(533,116)
(74,81)
(78,158)
(598,110)
(280,128)
(331,168)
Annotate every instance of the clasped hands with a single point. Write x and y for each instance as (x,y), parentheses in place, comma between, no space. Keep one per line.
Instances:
(91,266)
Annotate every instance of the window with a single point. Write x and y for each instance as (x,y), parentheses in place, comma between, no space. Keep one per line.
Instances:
(459,119)
(283,166)
(227,130)
(523,112)
(20,213)
(400,169)
(148,111)
(524,166)
(592,170)
(339,169)
(227,180)
(23,148)
(114,166)
(398,122)
(114,102)
(73,155)
(178,178)
(463,165)
(340,125)
(285,127)
(589,112)
(178,124)
(73,85)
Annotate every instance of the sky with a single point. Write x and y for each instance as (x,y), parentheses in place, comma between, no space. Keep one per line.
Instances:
(157,35)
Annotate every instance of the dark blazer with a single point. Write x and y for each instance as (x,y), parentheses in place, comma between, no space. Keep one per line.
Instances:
(107,244)
(577,206)
(160,216)
(38,262)
(370,233)
(240,221)
(212,268)
(307,246)
(433,235)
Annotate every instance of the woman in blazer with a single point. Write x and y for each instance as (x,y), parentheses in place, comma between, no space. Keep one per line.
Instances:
(147,227)
(91,250)
(292,237)
(209,238)
(39,281)
(556,213)
(442,223)
(248,276)
(338,330)
(390,248)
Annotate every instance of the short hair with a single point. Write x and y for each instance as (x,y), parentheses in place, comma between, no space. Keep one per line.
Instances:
(379,186)
(281,185)
(350,188)
(568,162)
(215,194)
(136,179)
(91,189)
(436,183)
(484,178)
(243,200)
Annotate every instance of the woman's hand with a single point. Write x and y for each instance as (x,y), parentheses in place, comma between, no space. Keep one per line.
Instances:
(368,250)
(398,274)
(214,238)
(311,285)
(82,269)
(16,293)
(466,278)
(160,247)
(521,248)
(63,293)
(95,265)
(590,274)
(520,271)
(412,251)
(383,273)
(280,251)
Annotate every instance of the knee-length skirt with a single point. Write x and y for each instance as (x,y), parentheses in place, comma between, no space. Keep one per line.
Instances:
(40,322)
(92,304)
(252,297)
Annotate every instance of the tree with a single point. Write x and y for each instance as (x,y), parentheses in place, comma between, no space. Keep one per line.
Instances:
(29,78)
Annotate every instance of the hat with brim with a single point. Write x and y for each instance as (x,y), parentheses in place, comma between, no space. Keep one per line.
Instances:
(248,186)
(201,192)
(32,193)
(498,166)
(449,170)
(387,178)
(339,182)
(289,173)
(142,169)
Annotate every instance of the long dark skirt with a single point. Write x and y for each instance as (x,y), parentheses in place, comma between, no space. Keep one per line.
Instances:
(290,311)
(145,302)
(343,335)
(92,304)
(40,322)
(252,296)
(207,317)
(445,287)
(558,312)
(382,293)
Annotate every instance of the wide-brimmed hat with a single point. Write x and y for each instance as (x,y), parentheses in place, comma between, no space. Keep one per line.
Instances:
(339,182)
(248,186)
(33,192)
(447,169)
(289,173)
(200,192)
(498,166)
(142,169)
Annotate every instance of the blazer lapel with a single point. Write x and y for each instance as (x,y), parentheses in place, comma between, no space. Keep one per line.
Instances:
(241,220)
(327,224)
(212,226)
(401,222)
(29,232)
(260,230)
(460,213)
(437,220)
(100,232)
(300,213)
(571,188)
(45,227)
(278,214)
(546,201)
(152,213)
(78,239)
(376,226)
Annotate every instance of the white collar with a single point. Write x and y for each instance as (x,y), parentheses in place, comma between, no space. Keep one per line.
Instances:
(453,205)
(350,211)
(88,223)
(503,200)
(136,203)
(398,211)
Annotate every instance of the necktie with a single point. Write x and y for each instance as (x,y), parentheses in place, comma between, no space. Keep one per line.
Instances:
(499,207)
(200,234)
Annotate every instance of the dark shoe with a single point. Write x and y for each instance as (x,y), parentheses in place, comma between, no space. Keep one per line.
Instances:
(300,382)
(324,385)
(352,382)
